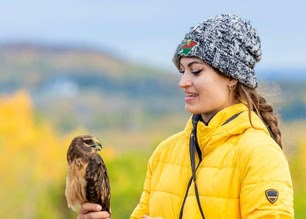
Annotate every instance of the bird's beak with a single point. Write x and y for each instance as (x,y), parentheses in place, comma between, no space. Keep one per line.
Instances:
(98,146)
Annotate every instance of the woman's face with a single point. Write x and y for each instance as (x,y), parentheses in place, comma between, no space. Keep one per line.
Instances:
(206,91)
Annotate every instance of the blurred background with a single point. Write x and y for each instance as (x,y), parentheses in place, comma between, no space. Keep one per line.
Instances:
(104,67)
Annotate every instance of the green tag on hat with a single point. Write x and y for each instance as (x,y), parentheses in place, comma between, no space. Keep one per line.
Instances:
(188,46)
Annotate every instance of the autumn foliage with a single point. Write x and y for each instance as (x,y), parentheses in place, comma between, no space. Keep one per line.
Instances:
(33,163)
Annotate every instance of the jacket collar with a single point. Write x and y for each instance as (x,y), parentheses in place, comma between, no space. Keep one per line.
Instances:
(215,133)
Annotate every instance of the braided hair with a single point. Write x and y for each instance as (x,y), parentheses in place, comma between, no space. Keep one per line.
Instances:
(259,105)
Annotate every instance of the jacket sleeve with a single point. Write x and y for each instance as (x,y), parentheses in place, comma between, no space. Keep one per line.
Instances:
(143,205)
(266,187)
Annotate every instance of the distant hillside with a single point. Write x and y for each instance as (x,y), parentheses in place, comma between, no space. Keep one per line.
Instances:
(281,74)
(23,57)
(74,86)
(35,66)
(68,83)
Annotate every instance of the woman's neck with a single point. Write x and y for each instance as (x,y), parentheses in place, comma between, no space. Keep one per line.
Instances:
(209,115)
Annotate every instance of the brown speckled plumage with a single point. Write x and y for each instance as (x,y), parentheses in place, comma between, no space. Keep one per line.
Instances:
(87,179)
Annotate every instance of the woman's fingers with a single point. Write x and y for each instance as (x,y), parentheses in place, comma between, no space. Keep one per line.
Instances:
(148,217)
(92,211)
(95,215)
(89,207)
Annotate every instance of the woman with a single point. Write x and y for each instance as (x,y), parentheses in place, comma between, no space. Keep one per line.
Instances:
(228,161)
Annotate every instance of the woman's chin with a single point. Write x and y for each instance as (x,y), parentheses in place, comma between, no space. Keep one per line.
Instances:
(192,110)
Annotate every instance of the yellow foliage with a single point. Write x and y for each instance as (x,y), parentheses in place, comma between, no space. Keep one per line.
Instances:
(33,162)
(33,158)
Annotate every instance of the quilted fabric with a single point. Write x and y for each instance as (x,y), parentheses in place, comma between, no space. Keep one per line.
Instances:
(240,163)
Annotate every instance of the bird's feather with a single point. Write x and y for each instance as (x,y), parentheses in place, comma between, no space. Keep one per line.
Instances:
(87,179)
(76,183)
(97,188)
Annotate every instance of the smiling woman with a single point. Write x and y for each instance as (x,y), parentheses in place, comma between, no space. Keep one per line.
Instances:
(206,90)
(228,161)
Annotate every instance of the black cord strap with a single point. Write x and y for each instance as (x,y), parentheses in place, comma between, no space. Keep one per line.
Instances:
(186,193)
(194,146)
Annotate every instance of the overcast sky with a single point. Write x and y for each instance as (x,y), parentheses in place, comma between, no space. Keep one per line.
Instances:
(149,31)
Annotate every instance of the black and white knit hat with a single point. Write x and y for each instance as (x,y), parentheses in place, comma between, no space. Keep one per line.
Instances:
(225,42)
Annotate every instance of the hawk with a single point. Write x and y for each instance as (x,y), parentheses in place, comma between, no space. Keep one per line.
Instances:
(87,179)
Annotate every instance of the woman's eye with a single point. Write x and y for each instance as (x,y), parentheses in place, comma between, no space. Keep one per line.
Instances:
(193,72)
(196,72)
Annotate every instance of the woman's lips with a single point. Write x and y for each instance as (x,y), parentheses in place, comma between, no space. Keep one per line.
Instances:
(190,97)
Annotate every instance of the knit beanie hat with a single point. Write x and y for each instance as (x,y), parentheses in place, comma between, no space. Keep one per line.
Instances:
(227,43)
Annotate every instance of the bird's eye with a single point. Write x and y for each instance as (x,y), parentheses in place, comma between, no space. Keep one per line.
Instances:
(88,141)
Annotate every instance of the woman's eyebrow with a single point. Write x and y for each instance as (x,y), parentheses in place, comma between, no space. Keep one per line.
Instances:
(191,63)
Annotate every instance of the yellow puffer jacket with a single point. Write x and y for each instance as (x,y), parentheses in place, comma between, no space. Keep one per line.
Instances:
(243,174)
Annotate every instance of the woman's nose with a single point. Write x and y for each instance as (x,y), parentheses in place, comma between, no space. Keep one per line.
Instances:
(185,81)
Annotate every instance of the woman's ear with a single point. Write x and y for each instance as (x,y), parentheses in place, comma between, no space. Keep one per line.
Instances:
(232,82)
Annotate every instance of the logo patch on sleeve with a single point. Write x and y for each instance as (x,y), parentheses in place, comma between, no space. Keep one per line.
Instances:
(272,195)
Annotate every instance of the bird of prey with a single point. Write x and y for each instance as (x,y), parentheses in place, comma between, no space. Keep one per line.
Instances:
(87,179)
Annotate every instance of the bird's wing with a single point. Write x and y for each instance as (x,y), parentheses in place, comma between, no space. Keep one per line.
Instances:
(98,186)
